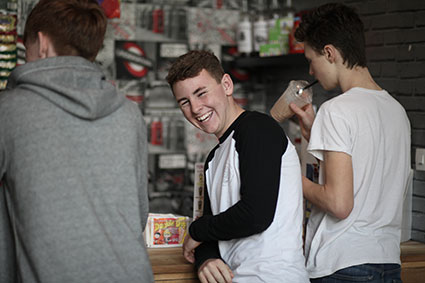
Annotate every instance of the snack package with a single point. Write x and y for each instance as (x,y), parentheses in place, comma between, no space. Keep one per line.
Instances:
(8,37)
(166,230)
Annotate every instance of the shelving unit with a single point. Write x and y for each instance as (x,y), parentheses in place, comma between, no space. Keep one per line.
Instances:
(293,60)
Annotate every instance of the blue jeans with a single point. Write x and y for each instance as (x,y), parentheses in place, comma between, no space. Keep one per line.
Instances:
(371,273)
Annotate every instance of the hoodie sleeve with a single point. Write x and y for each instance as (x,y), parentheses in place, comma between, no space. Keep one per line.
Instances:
(2,161)
(143,174)
(7,245)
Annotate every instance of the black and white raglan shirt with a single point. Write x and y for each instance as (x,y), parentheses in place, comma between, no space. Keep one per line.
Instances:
(253,203)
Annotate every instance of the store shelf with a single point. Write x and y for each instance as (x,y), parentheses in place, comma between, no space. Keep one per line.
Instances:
(272,61)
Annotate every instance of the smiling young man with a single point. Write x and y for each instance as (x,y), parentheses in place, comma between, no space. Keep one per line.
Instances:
(251,227)
(362,139)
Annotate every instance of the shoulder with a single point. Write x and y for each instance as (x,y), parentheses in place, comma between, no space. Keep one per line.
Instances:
(5,95)
(259,130)
(16,98)
(343,104)
(258,123)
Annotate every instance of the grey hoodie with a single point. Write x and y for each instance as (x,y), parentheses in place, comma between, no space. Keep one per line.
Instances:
(73,160)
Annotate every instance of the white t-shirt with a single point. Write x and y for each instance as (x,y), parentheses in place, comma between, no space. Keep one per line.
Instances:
(254,191)
(373,128)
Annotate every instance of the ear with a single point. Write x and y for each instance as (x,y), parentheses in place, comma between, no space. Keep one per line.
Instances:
(330,53)
(227,84)
(46,48)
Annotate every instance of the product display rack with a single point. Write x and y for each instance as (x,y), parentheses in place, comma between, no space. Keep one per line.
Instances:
(293,60)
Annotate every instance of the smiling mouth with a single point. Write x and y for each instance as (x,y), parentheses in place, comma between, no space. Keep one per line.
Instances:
(204,117)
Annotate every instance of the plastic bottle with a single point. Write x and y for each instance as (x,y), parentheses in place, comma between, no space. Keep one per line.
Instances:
(178,23)
(244,35)
(260,29)
(156,131)
(158,19)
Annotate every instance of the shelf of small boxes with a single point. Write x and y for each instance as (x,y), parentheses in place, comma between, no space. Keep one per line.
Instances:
(8,38)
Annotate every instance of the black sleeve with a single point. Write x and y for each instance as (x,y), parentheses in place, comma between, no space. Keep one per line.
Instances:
(261,144)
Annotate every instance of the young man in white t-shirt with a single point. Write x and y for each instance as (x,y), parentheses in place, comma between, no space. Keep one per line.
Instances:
(362,139)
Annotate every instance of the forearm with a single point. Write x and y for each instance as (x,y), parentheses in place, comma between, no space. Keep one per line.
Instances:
(250,215)
(327,199)
(205,251)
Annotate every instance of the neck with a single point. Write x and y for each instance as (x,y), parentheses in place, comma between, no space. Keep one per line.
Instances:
(233,113)
(357,77)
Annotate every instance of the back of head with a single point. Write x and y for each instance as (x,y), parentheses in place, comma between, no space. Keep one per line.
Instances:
(192,63)
(75,27)
(335,24)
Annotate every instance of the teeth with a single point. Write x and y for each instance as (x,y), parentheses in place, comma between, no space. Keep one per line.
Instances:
(204,117)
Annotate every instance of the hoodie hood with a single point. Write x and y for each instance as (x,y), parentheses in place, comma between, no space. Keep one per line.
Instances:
(72,83)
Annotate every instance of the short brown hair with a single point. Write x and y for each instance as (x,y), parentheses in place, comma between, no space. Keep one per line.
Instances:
(192,63)
(76,27)
(336,24)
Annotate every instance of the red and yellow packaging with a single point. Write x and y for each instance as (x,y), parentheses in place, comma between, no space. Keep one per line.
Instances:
(166,230)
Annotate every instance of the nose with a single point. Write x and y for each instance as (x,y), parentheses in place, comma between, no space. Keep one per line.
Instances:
(195,106)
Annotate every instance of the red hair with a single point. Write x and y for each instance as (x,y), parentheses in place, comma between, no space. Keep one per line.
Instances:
(75,27)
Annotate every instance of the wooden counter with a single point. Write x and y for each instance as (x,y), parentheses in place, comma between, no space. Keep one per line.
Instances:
(168,264)
(413,262)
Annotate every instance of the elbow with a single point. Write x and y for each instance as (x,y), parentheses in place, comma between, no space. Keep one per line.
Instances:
(261,225)
(258,228)
(342,210)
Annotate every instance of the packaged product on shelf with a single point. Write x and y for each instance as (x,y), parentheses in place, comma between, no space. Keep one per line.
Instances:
(8,38)
(294,45)
(158,19)
(198,190)
(111,8)
(156,131)
(7,23)
(211,26)
(165,230)
(176,135)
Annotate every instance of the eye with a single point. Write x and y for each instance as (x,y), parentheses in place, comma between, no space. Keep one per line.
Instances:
(183,103)
(201,93)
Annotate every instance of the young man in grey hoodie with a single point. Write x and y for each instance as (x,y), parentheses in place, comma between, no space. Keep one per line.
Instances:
(73,156)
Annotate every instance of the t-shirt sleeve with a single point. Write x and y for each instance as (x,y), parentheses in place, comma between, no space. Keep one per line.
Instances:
(331,131)
(260,145)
